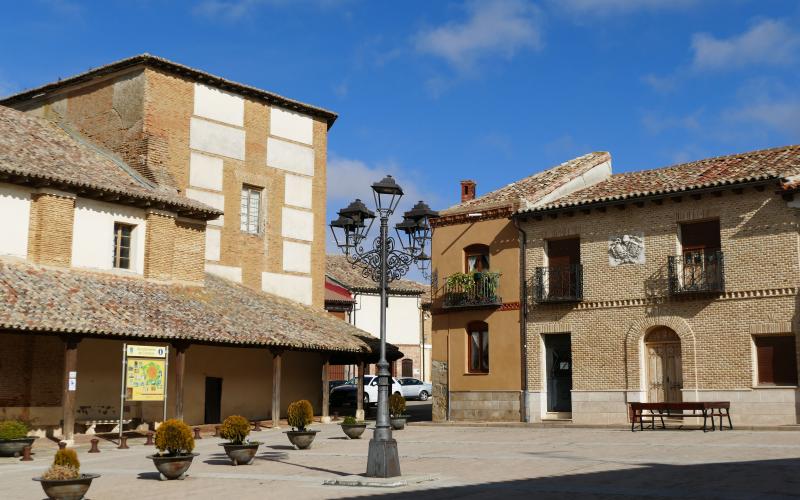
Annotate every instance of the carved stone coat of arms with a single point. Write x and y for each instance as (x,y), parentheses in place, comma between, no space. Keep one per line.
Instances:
(626,249)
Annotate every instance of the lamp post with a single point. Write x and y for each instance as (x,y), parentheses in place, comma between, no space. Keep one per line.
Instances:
(383,263)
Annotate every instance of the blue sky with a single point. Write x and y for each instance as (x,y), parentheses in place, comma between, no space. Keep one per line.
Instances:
(437,91)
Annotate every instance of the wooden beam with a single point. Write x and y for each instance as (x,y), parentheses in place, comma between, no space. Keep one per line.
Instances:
(326,389)
(277,356)
(180,370)
(70,389)
(360,391)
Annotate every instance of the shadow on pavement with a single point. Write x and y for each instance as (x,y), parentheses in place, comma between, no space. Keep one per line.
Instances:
(770,479)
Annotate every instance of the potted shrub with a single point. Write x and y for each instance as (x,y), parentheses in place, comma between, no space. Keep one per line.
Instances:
(397,411)
(175,444)
(300,415)
(63,480)
(353,428)
(236,429)
(13,438)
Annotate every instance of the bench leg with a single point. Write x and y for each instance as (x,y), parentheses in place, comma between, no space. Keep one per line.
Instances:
(727,414)
(705,418)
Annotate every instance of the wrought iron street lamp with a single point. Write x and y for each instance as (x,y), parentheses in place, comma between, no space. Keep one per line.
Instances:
(384,263)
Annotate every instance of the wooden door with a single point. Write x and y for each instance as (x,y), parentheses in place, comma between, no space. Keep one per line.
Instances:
(664,372)
(213,406)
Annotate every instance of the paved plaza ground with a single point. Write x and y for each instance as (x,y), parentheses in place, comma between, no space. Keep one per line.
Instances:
(470,462)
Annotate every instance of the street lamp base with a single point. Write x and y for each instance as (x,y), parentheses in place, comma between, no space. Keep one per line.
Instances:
(383,460)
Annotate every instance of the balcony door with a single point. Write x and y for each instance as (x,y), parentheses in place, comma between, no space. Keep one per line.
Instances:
(563,257)
(700,246)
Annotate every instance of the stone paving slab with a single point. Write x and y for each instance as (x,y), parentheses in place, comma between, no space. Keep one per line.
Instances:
(468,463)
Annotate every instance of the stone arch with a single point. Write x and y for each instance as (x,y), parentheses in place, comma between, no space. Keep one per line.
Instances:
(635,337)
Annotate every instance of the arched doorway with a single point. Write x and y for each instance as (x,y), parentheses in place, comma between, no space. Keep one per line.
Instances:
(663,365)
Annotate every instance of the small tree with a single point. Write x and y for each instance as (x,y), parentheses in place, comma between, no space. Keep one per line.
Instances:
(65,466)
(235,429)
(174,437)
(397,405)
(300,414)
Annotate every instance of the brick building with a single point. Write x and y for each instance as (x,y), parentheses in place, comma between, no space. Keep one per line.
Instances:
(146,201)
(673,284)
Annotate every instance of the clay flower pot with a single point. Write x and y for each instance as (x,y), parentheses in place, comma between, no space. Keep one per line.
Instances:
(241,454)
(67,489)
(172,467)
(13,447)
(301,439)
(399,422)
(354,431)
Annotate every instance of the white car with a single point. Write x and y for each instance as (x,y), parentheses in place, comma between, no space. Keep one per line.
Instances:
(413,388)
(346,393)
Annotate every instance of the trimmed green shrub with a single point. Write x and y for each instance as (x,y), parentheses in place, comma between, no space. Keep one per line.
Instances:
(61,473)
(348,420)
(235,429)
(300,414)
(67,457)
(397,405)
(174,437)
(13,429)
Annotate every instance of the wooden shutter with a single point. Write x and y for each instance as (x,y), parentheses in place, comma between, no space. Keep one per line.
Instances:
(777,360)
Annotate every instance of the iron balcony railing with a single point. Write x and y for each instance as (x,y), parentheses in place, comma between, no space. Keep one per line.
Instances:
(472,290)
(558,284)
(696,272)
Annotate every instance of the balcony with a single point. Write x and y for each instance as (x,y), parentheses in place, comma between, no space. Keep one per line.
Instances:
(696,273)
(464,290)
(558,284)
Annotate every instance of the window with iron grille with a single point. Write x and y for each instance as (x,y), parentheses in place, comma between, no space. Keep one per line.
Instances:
(122,245)
(251,209)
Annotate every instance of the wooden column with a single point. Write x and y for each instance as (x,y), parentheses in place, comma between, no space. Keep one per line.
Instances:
(180,368)
(326,389)
(360,391)
(276,387)
(70,386)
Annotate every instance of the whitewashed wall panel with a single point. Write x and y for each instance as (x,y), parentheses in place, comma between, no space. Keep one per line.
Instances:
(297,224)
(218,105)
(296,257)
(15,214)
(205,171)
(297,288)
(214,200)
(216,138)
(289,156)
(213,238)
(291,125)
(228,272)
(93,234)
(298,191)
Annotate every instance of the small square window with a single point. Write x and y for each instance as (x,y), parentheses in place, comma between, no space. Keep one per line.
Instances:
(777,360)
(122,245)
(251,210)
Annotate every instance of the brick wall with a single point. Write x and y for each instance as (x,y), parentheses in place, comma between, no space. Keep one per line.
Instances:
(50,229)
(159,245)
(760,246)
(32,370)
(189,254)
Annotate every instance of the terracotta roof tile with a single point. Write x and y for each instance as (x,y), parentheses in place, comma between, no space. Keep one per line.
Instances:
(532,189)
(775,163)
(35,150)
(37,298)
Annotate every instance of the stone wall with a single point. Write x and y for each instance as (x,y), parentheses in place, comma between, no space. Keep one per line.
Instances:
(485,405)
(440,396)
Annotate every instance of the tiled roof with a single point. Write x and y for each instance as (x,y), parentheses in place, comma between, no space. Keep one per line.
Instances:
(39,152)
(533,188)
(336,293)
(195,74)
(775,163)
(45,299)
(342,272)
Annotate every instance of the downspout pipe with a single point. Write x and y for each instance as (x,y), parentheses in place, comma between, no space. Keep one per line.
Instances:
(523,318)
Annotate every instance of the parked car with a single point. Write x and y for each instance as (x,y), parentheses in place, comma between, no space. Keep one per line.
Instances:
(412,388)
(335,383)
(345,394)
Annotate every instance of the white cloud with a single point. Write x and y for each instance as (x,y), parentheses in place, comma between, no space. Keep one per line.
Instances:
(234,10)
(657,123)
(492,28)
(612,7)
(768,42)
(766,104)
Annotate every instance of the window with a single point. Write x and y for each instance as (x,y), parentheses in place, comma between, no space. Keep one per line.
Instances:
(563,259)
(251,209)
(700,236)
(408,367)
(478,347)
(122,245)
(476,258)
(777,360)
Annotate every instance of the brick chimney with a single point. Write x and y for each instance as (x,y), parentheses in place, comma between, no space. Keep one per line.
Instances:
(467,190)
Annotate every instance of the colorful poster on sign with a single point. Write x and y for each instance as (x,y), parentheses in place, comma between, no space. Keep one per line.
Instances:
(144,380)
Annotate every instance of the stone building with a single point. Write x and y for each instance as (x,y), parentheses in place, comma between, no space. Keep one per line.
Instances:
(149,202)
(406,315)
(672,284)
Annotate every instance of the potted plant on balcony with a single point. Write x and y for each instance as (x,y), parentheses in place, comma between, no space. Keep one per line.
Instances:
(13,438)
(459,287)
(353,428)
(175,444)
(236,429)
(63,480)
(397,412)
(299,416)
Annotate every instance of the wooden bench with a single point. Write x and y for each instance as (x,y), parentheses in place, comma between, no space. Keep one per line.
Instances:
(641,412)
